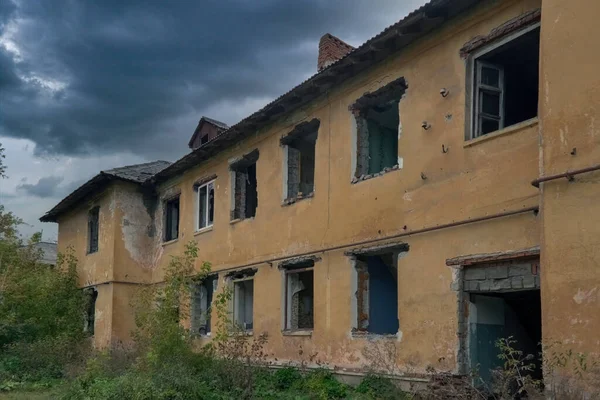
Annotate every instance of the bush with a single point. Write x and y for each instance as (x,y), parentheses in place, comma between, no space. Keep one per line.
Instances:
(378,387)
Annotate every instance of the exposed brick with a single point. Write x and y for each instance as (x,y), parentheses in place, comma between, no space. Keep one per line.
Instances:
(528,282)
(519,270)
(501,284)
(331,49)
(537,281)
(474,274)
(497,271)
(485,285)
(472,286)
(517,282)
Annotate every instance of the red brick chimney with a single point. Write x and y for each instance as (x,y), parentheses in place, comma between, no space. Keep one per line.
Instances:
(331,49)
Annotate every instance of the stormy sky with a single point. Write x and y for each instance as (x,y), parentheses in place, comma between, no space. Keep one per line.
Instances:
(91,85)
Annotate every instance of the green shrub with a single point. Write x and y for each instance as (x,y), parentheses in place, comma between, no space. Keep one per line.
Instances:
(378,387)
(322,385)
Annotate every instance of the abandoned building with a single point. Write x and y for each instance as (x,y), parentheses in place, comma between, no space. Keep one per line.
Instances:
(435,188)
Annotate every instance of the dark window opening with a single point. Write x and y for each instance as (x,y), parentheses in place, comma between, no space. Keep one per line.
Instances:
(301,143)
(377,117)
(506,84)
(493,316)
(245,187)
(377,293)
(299,299)
(243,304)
(202,295)
(206,203)
(172,219)
(204,139)
(93,229)
(90,313)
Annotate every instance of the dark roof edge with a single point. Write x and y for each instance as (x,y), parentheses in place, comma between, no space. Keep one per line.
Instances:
(91,186)
(391,40)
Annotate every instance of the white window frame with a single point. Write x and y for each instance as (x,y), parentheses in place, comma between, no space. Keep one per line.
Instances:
(473,91)
(198,226)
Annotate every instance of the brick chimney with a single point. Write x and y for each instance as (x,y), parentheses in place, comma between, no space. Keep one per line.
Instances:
(331,49)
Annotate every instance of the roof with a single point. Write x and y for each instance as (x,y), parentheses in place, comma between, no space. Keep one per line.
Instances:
(137,173)
(221,126)
(392,40)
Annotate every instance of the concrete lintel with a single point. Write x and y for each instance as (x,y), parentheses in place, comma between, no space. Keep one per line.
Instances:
(472,259)
(382,248)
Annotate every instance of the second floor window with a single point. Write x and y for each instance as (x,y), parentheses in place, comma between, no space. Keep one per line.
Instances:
(93,229)
(206,205)
(377,122)
(505,82)
(245,186)
(300,161)
(171,219)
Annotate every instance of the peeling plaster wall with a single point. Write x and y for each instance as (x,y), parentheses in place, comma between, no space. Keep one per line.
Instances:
(570,245)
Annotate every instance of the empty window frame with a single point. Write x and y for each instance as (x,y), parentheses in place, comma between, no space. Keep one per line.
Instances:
(89,322)
(202,295)
(171,210)
(299,146)
(243,303)
(245,186)
(505,84)
(205,197)
(93,229)
(299,296)
(377,123)
(377,293)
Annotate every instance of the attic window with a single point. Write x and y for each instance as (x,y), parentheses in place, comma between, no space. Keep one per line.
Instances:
(204,139)
(505,85)
(245,186)
(377,121)
(299,167)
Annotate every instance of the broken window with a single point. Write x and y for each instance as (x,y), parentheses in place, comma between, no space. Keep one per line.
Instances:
(300,161)
(171,219)
(299,296)
(245,186)
(377,293)
(377,124)
(93,229)
(90,310)
(204,139)
(206,203)
(505,82)
(243,303)
(202,295)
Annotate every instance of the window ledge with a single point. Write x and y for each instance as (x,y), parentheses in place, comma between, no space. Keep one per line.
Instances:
(369,335)
(299,332)
(170,242)
(203,230)
(375,175)
(241,333)
(502,132)
(235,221)
(291,200)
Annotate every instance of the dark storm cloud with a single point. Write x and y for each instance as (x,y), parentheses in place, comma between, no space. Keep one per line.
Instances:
(45,187)
(106,76)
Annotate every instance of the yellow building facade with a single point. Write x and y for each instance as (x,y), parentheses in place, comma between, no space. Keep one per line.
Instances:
(338,247)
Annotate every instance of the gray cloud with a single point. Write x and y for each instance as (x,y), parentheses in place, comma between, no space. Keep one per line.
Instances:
(100,77)
(45,187)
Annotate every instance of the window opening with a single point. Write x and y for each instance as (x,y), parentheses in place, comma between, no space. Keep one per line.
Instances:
(93,229)
(202,295)
(300,146)
(90,313)
(172,219)
(506,83)
(243,304)
(299,299)
(377,123)
(245,186)
(377,293)
(206,203)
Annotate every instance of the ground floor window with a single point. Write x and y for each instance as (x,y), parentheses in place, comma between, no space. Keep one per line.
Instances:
(202,295)
(299,296)
(243,304)
(89,322)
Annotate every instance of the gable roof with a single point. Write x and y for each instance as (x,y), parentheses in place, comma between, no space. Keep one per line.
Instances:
(221,126)
(137,173)
(393,39)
